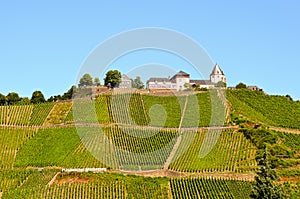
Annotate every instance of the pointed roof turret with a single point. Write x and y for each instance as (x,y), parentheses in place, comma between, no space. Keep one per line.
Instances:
(217,70)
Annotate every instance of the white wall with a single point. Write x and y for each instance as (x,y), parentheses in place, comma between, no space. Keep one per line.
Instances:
(180,83)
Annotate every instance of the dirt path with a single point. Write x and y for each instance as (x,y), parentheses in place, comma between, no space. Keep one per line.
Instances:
(227,105)
(174,174)
(285,130)
(173,152)
(53,179)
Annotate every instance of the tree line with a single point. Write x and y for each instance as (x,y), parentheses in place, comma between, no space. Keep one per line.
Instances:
(112,79)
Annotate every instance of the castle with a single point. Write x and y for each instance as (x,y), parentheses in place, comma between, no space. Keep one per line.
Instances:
(182,80)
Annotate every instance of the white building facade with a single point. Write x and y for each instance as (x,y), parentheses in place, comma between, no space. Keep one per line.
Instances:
(217,75)
(181,81)
(125,82)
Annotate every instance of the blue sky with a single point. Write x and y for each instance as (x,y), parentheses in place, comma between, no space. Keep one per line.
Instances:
(44,44)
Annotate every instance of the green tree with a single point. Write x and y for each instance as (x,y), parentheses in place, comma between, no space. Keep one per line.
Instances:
(86,80)
(264,187)
(68,95)
(12,98)
(241,85)
(2,99)
(97,81)
(112,78)
(37,97)
(25,100)
(221,84)
(137,83)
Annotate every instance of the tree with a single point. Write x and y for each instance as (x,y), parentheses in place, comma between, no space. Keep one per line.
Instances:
(50,99)
(2,99)
(68,95)
(86,80)
(97,81)
(221,84)
(112,78)
(264,187)
(241,85)
(289,97)
(37,97)
(25,100)
(12,98)
(137,83)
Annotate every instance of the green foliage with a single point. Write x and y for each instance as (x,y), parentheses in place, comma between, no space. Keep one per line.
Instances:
(58,113)
(12,178)
(283,147)
(15,114)
(98,186)
(264,186)
(232,152)
(288,172)
(137,83)
(221,84)
(291,190)
(137,110)
(112,78)
(69,94)
(3,99)
(161,108)
(240,86)
(48,148)
(12,98)
(260,137)
(40,113)
(25,101)
(239,189)
(208,188)
(139,143)
(101,107)
(11,139)
(37,97)
(270,110)
(97,81)
(85,80)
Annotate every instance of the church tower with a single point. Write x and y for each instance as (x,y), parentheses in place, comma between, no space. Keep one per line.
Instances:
(217,75)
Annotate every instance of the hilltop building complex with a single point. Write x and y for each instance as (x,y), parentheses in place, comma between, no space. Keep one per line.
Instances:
(181,80)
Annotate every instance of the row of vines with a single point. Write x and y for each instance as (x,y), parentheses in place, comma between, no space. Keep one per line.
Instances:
(268,109)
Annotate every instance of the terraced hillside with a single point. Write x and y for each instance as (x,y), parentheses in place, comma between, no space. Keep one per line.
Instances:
(267,109)
(185,143)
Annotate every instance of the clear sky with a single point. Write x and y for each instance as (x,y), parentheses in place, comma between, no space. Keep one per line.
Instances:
(43,44)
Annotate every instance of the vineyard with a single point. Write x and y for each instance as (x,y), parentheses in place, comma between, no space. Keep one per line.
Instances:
(232,153)
(12,139)
(140,133)
(268,109)
(110,185)
(209,188)
(121,108)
